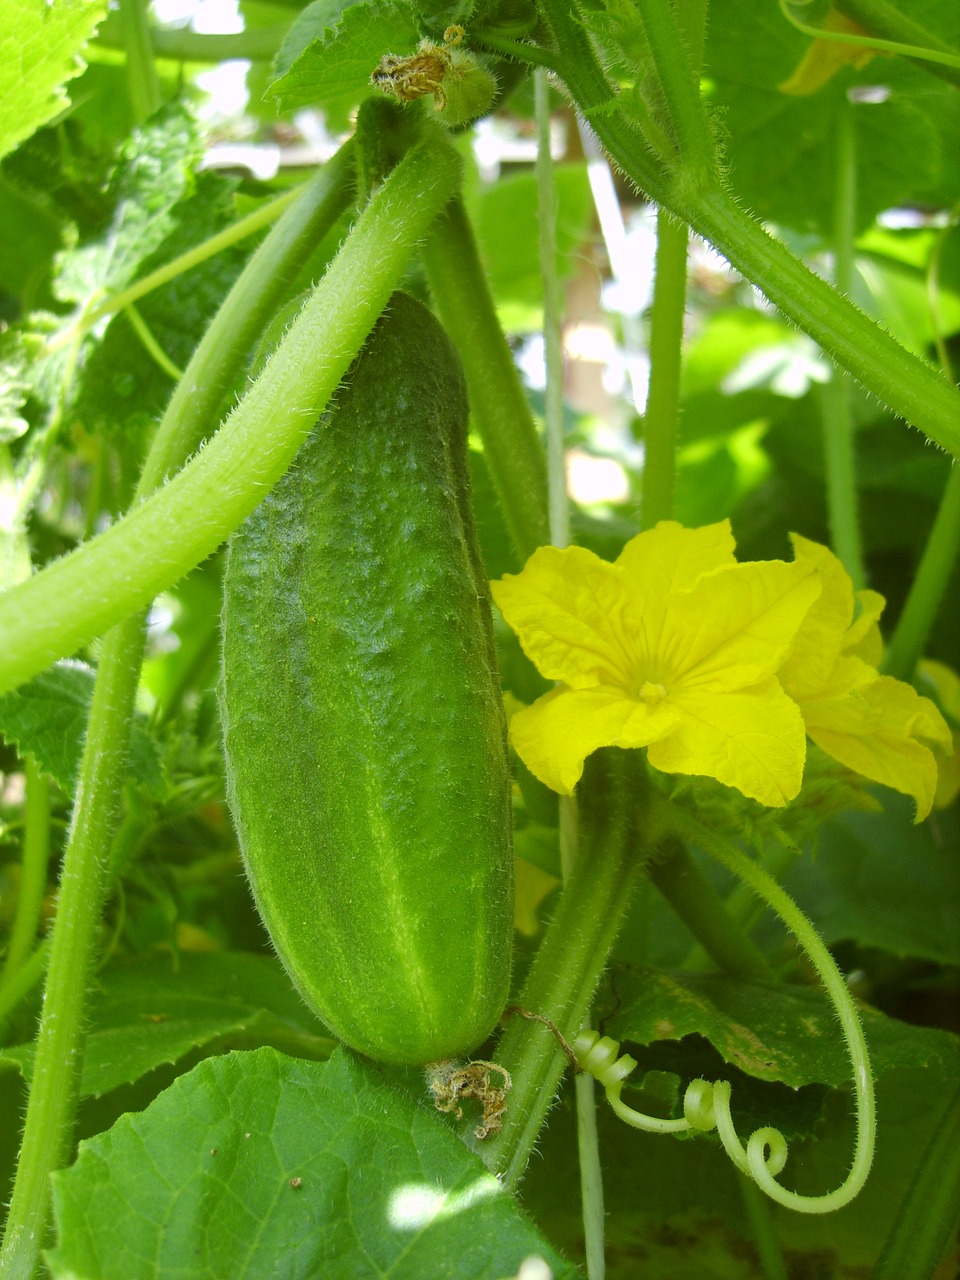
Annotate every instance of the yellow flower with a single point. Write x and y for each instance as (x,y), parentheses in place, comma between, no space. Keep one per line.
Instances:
(871,723)
(946,684)
(674,647)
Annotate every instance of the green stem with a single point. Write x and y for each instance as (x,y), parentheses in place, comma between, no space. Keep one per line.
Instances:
(150,344)
(531,54)
(688,827)
(702,910)
(552,318)
(574,951)
(927,1216)
(143,86)
(182,45)
(588,1147)
(837,420)
(908,385)
(743,906)
(929,585)
(764,1235)
(661,419)
(498,403)
(171,531)
(681,88)
(225,239)
(48,1128)
(887,22)
(33,870)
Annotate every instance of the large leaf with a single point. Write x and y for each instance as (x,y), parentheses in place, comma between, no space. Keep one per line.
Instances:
(152,1012)
(885,883)
(332,52)
(256,1164)
(39,47)
(770,1032)
(782,149)
(47,718)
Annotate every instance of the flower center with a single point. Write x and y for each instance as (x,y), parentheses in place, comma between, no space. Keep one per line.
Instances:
(651,693)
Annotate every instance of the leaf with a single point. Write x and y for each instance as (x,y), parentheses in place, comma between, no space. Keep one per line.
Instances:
(884,883)
(154,172)
(256,1164)
(39,47)
(781,150)
(780,1033)
(151,1012)
(47,718)
(505,217)
(121,387)
(336,61)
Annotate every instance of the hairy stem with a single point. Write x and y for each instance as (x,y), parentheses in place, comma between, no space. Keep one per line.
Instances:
(907,384)
(54,1090)
(498,403)
(170,532)
(574,950)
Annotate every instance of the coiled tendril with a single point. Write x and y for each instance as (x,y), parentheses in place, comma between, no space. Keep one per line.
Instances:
(707,1106)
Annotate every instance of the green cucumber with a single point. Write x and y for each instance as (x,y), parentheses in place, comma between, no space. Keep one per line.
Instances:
(363,722)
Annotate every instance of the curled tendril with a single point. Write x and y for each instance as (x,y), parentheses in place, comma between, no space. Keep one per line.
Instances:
(707,1106)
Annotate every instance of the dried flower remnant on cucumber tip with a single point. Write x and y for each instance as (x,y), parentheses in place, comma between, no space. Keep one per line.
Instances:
(461,85)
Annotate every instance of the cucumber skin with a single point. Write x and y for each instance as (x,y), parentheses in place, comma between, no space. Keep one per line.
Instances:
(363,721)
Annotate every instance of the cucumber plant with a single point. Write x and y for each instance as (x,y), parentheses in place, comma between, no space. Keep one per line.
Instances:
(676,714)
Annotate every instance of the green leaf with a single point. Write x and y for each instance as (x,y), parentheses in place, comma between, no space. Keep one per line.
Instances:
(883,882)
(154,172)
(151,1012)
(338,57)
(256,1164)
(505,217)
(47,718)
(39,47)
(781,149)
(780,1033)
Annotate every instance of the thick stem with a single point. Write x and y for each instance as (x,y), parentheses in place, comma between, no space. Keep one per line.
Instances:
(498,403)
(908,385)
(702,910)
(173,530)
(48,1129)
(574,950)
(661,419)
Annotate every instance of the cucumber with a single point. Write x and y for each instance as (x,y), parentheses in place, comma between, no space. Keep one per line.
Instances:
(363,722)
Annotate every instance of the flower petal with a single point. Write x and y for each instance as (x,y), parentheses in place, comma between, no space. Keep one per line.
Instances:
(555,735)
(735,627)
(863,638)
(820,638)
(753,740)
(565,607)
(876,728)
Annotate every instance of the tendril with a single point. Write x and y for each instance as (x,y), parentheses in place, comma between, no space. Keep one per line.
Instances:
(707,1106)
